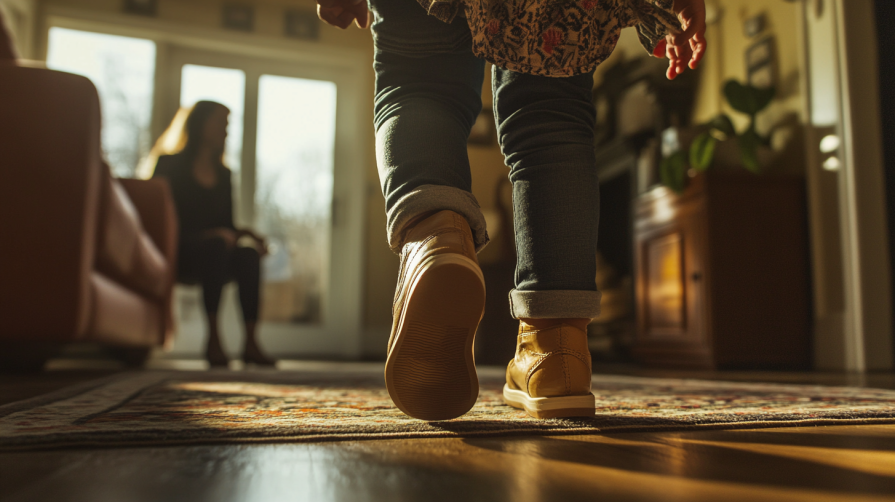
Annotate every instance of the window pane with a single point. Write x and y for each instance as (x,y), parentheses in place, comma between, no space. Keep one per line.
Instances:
(123,70)
(296,138)
(227,87)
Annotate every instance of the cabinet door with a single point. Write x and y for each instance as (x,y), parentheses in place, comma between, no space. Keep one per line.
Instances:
(670,288)
(665,292)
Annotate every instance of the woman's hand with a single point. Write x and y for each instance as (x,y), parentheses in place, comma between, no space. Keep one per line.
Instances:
(342,12)
(260,242)
(686,48)
(225,234)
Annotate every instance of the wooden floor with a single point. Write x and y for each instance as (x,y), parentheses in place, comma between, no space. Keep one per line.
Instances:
(847,463)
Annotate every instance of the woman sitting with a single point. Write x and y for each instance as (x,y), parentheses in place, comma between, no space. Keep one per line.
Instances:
(209,252)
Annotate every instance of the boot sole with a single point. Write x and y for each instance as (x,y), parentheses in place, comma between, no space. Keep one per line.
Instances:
(550,407)
(430,372)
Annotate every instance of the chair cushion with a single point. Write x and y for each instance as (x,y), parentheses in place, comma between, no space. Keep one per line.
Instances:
(122,317)
(125,252)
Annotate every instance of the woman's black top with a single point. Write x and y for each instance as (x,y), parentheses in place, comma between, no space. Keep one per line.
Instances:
(199,209)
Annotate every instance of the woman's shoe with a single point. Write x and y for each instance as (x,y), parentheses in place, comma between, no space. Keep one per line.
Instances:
(217,358)
(551,373)
(257,358)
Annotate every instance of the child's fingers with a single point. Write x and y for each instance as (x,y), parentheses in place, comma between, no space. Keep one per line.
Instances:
(698,47)
(660,49)
(693,24)
(335,16)
(671,54)
(684,56)
(361,14)
(364,21)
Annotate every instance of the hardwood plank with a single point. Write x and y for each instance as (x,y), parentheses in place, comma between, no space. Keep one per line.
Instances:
(732,465)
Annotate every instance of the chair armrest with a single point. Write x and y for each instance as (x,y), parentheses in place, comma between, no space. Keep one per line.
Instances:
(154,203)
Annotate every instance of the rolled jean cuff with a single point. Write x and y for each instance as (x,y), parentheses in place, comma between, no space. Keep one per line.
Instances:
(561,304)
(431,198)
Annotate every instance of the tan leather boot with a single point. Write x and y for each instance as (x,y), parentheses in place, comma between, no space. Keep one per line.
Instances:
(440,299)
(550,375)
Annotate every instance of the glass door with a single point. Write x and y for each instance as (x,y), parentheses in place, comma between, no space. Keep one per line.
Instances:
(282,151)
(293,194)
(123,71)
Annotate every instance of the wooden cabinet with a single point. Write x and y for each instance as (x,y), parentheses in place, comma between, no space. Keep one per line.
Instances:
(722,274)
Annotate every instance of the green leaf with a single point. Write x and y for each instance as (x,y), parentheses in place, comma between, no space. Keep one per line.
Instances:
(749,143)
(738,97)
(763,97)
(747,99)
(724,125)
(702,151)
(673,172)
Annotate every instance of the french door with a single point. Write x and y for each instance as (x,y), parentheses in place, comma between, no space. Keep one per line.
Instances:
(282,150)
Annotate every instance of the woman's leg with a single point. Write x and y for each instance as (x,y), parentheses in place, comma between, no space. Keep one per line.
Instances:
(546,130)
(428,95)
(246,269)
(212,260)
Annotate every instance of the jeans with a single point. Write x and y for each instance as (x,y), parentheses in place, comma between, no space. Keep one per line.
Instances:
(428,95)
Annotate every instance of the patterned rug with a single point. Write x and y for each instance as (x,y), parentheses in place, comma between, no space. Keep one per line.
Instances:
(155,408)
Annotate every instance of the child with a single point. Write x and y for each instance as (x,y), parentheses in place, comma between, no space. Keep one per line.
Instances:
(429,61)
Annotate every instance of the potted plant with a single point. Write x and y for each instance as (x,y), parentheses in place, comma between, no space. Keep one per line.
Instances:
(700,155)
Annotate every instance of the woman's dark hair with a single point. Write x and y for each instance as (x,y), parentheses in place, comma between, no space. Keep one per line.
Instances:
(195,125)
(183,135)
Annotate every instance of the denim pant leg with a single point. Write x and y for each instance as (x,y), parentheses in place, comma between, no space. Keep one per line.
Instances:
(428,95)
(546,131)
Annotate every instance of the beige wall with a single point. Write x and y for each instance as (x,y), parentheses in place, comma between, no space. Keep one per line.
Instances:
(19,17)
(726,58)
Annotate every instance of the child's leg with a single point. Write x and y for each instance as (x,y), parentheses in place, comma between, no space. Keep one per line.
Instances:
(546,131)
(428,95)
(546,127)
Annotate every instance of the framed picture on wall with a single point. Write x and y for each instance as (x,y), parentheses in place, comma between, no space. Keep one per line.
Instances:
(239,17)
(302,24)
(761,64)
(141,7)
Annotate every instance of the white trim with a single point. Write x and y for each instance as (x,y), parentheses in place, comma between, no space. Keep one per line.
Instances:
(868,317)
(244,44)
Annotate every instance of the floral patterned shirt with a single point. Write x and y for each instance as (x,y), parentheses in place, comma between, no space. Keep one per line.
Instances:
(555,38)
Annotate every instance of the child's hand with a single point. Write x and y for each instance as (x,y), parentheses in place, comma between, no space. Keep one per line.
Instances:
(687,47)
(342,12)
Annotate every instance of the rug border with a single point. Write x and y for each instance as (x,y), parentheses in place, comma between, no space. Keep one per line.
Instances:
(328,438)
(66,392)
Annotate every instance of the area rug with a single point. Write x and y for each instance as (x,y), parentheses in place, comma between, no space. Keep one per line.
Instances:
(156,408)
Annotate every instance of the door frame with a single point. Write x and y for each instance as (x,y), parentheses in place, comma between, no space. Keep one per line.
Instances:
(340,335)
(855,333)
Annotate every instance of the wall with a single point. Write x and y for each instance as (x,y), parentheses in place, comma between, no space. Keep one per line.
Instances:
(726,58)
(20,22)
